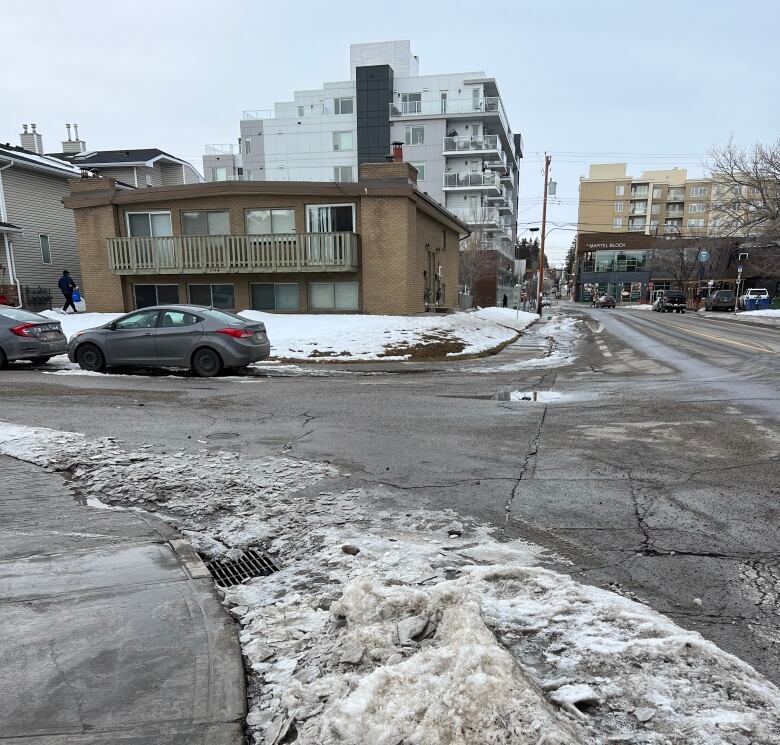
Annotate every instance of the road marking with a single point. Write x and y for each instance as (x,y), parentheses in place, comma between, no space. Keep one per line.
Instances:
(754,346)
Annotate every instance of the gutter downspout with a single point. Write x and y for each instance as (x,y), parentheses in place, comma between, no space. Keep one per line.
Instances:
(9,257)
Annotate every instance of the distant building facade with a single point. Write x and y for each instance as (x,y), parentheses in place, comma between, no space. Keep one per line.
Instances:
(378,245)
(453,127)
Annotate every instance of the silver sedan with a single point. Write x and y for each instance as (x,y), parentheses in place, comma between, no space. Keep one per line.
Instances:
(205,340)
(28,336)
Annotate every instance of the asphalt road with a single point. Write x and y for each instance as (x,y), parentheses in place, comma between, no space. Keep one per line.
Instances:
(655,472)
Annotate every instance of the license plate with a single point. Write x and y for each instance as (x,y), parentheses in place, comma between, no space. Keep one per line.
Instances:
(259,336)
(51,336)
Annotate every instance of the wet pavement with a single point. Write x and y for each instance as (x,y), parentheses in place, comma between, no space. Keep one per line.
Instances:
(111,632)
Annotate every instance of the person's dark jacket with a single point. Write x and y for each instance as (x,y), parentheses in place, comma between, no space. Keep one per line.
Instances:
(66,285)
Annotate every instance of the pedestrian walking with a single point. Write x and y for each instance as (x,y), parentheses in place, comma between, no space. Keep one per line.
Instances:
(504,301)
(67,286)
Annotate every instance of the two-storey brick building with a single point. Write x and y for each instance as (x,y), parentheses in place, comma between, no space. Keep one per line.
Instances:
(378,245)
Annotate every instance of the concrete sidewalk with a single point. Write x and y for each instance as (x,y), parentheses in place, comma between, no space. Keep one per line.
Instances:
(110,629)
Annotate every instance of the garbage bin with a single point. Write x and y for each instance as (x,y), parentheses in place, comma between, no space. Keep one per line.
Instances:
(763,303)
(750,303)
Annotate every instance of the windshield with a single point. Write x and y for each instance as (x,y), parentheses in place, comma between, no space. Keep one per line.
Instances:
(22,315)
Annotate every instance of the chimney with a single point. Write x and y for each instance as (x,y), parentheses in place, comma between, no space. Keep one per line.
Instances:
(397,152)
(76,145)
(31,141)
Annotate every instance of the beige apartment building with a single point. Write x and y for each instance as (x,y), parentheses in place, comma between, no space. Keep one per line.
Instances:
(656,203)
(377,245)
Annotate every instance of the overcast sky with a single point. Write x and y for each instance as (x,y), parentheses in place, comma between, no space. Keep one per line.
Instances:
(600,81)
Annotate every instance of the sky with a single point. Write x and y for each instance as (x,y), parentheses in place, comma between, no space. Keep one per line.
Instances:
(654,85)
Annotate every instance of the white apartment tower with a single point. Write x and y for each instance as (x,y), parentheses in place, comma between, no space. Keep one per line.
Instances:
(453,127)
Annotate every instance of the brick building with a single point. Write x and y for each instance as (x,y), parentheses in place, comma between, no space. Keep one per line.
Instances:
(378,245)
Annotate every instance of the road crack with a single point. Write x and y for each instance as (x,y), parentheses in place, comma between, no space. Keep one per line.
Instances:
(530,454)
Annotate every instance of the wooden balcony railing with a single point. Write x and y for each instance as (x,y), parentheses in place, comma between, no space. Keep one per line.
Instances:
(204,254)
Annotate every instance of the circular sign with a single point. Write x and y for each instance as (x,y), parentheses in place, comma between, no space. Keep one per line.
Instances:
(703,256)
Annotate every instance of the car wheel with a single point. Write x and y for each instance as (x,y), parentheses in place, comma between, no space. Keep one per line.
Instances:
(40,360)
(90,358)
(206,363)
(3,360)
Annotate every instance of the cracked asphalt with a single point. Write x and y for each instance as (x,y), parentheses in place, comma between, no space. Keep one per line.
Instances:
(656,474)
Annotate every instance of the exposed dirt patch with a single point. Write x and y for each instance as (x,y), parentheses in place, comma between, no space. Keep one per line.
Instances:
(317,353)
(430,348)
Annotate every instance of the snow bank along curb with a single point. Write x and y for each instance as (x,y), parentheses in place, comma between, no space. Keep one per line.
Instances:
(426,629)
(358,338)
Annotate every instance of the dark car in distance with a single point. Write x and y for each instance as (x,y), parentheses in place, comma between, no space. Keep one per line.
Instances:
(670,301)
(606,301)
(28,336)
(205,340)
(721,300)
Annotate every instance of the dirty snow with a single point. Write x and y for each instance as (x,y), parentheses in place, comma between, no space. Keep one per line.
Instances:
(540,396)
(646,306)
(514,319)
(390,624)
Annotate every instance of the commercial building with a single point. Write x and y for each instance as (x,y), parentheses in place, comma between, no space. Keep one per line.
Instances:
(454,129)
(378,245)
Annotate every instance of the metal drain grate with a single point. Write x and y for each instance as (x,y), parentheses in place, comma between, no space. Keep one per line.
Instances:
(230,572)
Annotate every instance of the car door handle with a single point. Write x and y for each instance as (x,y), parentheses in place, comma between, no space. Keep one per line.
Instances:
(148,333)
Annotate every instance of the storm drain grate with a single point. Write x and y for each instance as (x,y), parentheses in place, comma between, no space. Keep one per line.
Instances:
(229,572)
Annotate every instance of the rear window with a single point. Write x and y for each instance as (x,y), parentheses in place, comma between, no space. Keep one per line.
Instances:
(726,294)
(676,295)
(223,317)
(22,315)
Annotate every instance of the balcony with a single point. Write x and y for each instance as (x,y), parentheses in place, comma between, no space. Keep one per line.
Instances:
(222,149)
(485,145)
(670,212)
(472,181)
(675,196)
(478,215)
(501,200)
(222,254)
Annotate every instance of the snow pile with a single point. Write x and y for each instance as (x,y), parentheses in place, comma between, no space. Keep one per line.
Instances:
(361,337)
(646,306)
(769,313)
(514,319)
(73,322)
(390,625)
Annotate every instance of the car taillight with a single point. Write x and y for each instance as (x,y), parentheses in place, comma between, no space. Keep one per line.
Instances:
(25,329)
(237,333)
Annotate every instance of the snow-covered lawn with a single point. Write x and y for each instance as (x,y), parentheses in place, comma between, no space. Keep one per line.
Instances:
(392,624)
(361,337)
(766,317)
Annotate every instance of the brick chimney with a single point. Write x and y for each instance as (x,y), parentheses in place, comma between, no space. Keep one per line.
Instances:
(388,172)
(73,145)
(31,140)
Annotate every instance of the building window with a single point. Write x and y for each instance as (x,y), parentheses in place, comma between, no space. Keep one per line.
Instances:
(656,192)
(45,249)
(618,206)
(655,209)
(342,173)
(698,191)
(697,222)
(280,296)
(219,174)
(344,106)
(333,295)
(420,166)
(149,224)
(148,179)
(213,296)
(411,103)
(620,190)
(300,111)
(654,226)
(148,295)
(267,222)
(342,141)
(415,135)
(617,222)
(247,146)
(697,207)
(205,223)
(330,218)
(639,191)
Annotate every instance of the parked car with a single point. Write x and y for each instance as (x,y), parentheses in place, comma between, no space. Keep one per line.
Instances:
(606,301)
(28,336)
(754,293)
(205,340)
(670,301)
(546,302)
(720,300)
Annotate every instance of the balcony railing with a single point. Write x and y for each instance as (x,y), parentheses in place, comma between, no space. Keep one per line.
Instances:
(675,197)
(486,143)
(477,215)
(470,180)
(438,107)
(222,149)
(196,254)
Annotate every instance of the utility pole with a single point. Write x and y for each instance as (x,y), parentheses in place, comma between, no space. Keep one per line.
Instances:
(540,283)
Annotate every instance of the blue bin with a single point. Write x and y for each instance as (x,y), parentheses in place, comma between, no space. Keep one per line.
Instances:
(750,303)
(763,303)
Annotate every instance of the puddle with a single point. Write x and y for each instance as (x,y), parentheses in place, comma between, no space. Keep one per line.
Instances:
(221,436)
(544,397)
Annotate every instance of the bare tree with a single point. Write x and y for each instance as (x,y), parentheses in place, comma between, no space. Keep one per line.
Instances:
(746,191)
(479,259)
